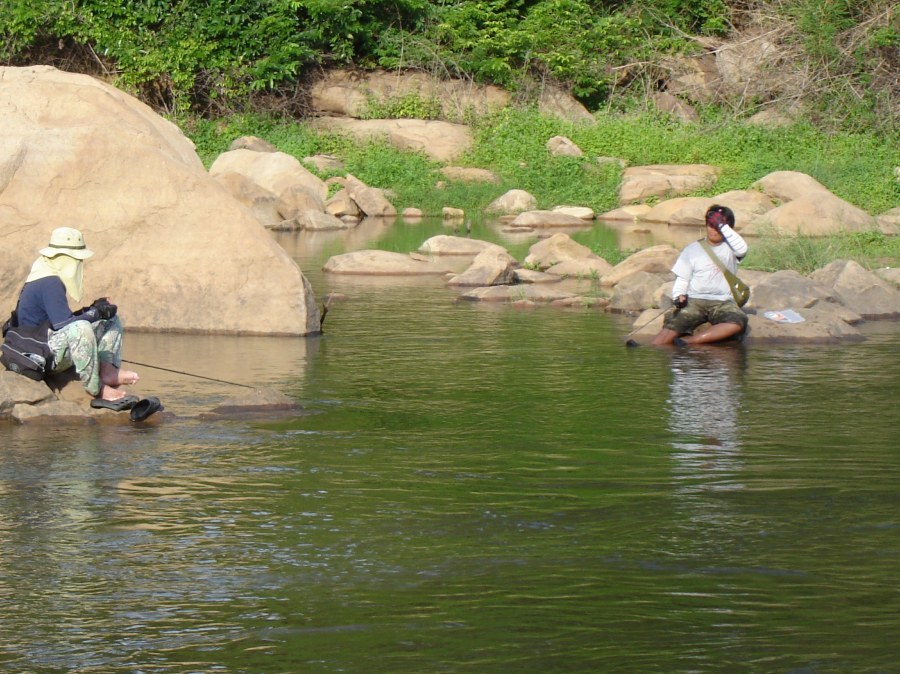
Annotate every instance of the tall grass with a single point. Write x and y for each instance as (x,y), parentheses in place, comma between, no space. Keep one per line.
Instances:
(806,254)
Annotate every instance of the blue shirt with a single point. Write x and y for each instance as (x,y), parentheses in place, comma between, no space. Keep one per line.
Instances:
(44,300)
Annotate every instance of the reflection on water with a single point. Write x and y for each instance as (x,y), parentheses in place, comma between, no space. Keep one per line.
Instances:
(704,404)
(472,488)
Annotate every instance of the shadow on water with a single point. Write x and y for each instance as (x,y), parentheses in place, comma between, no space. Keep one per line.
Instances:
(474,488)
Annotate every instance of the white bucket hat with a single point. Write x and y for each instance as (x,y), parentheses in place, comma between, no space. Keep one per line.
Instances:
(67,241)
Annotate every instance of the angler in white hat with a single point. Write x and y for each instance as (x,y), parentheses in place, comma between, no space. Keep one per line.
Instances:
(90,339)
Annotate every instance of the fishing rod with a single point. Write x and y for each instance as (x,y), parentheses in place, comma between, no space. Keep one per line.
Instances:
(189,374)
(644,325)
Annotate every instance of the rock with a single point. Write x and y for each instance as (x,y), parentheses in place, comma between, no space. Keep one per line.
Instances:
(636,291)
(746,68)
(531,293)
(523,275)
(492,266)
(469,175)
(341,205)
(382,263)
(591,268)
(666,102)
(786,186)
(787,289)
(770,119)
(655,260)
(513,201)
(818,214)
(316,221)
(747,206)
(252,143)
(411,214)
(50,413)
(580,212)
(561,248)
(560,146)
(259,402)
(440,141)
(630,213)
(547,219)
(606,161)
(298,199)
(348,92)
(172,246)
(325,163)
(889,222)
(370,201)
(694,77)
(680,211)
(821,326)
(665,180)
(449,213)
(274,171)
(443,244)
(16,389)
(646,326)
(889,274)
(261,202)
(556,102)
(860,290)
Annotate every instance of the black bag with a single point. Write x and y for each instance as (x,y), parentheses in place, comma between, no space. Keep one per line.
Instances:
(25,349)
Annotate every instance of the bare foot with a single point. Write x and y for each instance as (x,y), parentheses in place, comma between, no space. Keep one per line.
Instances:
(114,376)
(111,393)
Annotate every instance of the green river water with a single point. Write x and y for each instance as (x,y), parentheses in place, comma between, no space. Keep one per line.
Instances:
(470,488)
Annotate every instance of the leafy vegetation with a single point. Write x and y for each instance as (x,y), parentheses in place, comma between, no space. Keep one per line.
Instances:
(228,56)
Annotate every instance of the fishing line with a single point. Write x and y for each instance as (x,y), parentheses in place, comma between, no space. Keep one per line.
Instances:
(189,374)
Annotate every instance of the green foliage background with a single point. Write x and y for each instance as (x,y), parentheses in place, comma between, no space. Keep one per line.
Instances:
(213,57)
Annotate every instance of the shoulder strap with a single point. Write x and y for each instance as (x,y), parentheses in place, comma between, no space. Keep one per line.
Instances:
(713,256)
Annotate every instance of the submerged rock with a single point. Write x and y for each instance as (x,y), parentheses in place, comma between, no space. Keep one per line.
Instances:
(256,402)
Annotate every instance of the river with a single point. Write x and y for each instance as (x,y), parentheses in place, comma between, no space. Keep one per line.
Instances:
(469,488)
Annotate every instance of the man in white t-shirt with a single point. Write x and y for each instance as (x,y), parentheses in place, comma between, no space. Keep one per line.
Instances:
(701,293)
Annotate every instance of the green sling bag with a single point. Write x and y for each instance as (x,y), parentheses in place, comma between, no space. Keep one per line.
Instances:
(739,290)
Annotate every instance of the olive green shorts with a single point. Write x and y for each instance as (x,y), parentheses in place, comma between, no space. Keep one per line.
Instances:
(697,312)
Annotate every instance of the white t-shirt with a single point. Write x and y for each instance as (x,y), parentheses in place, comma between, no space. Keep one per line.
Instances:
(699,277)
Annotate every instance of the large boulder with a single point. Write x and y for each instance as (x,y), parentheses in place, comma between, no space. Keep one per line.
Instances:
(859,289)
(441,141)
(655,260)
(444,244)
(511,202)
(821,325)
(788,289)
(382,263)
(491,267)
(547,219)
(275,171)
(816,214)
(665,180)
(173,249)
(561,248)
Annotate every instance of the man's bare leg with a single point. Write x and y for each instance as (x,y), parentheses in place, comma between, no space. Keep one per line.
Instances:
(715,333)
(664,338)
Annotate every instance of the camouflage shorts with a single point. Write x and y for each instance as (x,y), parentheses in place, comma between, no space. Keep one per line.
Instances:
(85,345)
(697,312)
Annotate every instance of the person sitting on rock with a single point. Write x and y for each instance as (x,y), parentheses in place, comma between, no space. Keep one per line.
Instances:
(701,293)
(90,339)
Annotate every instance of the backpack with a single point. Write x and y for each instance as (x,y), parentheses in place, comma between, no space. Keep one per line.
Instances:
(25,349)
